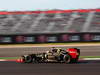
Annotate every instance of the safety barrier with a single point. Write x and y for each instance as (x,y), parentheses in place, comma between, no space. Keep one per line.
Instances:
(49,38)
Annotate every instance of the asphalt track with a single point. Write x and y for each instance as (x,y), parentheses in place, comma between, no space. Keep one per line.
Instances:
(13,52)
(81,68)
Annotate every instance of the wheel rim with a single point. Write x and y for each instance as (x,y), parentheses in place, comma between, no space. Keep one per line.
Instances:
(67,59)
(28,59)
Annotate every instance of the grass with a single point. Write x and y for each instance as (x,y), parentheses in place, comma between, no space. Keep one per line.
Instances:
(68,43)
(89,56)
(9,57)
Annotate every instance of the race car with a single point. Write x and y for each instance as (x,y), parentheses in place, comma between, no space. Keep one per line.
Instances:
(70,55)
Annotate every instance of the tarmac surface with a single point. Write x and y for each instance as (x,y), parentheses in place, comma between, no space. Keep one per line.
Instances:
(81,68)
(13,52)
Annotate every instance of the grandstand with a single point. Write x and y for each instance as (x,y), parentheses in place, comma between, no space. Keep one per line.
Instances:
(51,21)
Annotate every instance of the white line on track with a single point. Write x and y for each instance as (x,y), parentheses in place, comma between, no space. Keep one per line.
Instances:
(91,59)
(7,59)
(3,60)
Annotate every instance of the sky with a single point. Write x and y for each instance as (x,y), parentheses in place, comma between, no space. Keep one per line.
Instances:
(23,5)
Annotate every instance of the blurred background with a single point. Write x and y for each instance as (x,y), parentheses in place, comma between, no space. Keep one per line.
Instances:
(49,21)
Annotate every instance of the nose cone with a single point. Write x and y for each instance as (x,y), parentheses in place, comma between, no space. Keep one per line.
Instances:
(19,60)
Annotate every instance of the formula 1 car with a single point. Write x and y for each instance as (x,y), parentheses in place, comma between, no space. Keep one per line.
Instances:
(70,55)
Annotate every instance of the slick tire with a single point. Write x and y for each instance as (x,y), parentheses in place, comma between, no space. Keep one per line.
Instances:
(67,59)
(27,59)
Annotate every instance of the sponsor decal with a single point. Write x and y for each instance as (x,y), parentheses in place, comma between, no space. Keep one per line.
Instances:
(5,39)
(19,39)
(96,37)
(74,38)
(42,38)
(52,39)
(65,37)
(87,37)
(29,39)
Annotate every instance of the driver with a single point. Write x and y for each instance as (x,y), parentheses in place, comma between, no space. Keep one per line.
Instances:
(54,50)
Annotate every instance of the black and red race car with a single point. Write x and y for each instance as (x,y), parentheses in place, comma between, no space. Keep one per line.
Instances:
(70,55)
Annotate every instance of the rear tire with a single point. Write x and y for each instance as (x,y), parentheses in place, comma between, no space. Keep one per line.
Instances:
(67,59)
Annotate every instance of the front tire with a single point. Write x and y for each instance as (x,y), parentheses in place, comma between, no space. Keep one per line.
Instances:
(27,59)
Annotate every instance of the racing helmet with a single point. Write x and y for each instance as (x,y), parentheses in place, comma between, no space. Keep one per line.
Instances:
(54,49)
(47,51)
(59,50)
